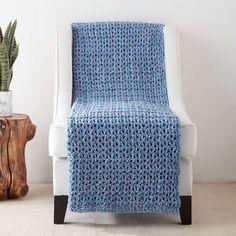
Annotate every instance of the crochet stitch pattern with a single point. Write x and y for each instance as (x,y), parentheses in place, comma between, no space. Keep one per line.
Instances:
(123,141)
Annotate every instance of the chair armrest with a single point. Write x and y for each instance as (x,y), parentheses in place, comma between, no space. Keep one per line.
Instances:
(63,78)
(173,75)
(174,86)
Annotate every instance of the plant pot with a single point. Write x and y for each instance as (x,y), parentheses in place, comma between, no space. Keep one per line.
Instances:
(5,103)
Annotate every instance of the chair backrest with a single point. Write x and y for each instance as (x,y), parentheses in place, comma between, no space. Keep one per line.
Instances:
(118,61)
(63,79)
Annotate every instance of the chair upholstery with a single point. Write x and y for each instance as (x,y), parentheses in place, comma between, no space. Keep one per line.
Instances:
(58,141)
(62,105)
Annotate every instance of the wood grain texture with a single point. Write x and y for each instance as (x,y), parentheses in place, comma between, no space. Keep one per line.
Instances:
(20,131)
(5,175)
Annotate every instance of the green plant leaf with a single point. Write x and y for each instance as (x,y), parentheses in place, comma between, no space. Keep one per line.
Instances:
(11,38)
(6,36)
(0,77)
(13,56)
(8,54)
(1,35)
(7,30)
(14,44)
(10,78)
(4,64)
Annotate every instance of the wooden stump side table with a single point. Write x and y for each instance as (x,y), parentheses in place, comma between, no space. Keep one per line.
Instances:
(15,132)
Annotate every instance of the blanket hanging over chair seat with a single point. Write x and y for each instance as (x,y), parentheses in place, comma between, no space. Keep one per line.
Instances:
(123,141)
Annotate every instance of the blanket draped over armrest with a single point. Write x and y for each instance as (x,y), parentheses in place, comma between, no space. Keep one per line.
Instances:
(123,141)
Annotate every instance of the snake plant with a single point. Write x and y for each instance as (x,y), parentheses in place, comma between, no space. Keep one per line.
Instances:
(8,54)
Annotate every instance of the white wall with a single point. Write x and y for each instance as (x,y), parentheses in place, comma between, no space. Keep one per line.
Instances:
(208,50)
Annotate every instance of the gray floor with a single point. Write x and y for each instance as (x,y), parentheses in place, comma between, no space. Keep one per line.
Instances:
(214,213)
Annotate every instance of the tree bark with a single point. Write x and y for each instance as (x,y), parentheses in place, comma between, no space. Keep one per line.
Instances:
(5,175)
(20,131)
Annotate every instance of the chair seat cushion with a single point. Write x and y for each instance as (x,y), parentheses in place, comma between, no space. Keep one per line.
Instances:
(123,156)
(61,179)
(133,110)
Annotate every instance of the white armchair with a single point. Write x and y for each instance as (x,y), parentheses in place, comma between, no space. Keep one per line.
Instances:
(62,105)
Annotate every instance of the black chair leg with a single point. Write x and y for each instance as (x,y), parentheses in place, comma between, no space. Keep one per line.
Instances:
(186,210)
(60,205)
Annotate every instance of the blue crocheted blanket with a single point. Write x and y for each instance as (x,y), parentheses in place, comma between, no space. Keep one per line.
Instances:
(123,142)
